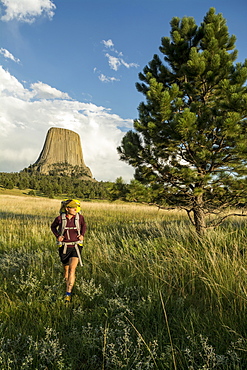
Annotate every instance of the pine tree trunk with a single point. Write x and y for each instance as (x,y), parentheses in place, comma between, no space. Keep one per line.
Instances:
(199,216)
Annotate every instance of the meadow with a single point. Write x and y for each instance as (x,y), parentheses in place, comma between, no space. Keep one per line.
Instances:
(150,294)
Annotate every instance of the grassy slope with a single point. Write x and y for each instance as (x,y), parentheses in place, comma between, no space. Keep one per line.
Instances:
(150,294)
(14,191)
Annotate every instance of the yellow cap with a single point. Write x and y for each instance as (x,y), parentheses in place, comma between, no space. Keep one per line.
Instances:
(73,204)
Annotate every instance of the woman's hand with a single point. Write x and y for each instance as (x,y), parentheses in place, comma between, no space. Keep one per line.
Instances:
(60,238)
(81,237)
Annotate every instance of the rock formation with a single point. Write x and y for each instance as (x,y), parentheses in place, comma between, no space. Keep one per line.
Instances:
(62,155)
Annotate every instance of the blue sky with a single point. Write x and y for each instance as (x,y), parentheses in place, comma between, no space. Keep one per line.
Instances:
(74,64)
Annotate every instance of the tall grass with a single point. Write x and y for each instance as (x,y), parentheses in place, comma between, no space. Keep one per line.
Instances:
(150,295)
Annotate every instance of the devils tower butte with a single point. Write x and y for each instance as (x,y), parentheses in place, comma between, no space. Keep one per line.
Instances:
(62,155)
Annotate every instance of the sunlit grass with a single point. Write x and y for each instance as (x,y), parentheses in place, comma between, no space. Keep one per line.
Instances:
(150,294)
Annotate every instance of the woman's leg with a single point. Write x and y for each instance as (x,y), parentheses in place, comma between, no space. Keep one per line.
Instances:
(73,262)
(66,273)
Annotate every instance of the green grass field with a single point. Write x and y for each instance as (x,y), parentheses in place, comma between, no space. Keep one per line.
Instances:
(149,296)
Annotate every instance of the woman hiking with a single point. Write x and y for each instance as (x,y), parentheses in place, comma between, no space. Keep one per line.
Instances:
(69,228)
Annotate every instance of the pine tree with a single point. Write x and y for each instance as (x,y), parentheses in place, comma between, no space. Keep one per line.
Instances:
(138,192)
(118,189)
(191,136)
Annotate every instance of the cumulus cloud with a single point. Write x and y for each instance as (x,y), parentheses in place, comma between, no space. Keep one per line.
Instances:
(44,91)
(8,55)
(24,122)
(10,86)
(26,10)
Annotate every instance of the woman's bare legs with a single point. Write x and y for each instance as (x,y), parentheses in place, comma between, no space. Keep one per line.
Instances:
(69,273)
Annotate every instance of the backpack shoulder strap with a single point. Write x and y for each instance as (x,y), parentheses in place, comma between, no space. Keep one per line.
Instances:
(64,222)
(77,223)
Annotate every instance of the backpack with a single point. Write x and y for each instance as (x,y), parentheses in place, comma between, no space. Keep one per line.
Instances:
(63,214)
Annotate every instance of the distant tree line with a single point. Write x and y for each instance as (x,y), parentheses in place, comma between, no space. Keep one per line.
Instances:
(36,184)
(51,186)
(69,186)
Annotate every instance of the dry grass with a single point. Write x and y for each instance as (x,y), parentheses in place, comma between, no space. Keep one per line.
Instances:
(139,263)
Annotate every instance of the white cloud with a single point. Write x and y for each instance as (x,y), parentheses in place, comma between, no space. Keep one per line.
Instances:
(108,43)
(115,62)
(27,10)
(128,65)
(8,55)
(104,78)
(24,124)
(10,86)
(44,91)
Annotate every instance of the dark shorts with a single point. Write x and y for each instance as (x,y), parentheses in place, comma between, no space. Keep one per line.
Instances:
(71,252)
